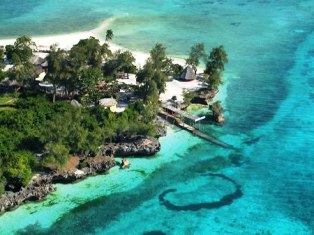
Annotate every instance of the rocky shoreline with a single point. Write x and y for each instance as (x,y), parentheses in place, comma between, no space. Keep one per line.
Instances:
(42,183)
(131,146)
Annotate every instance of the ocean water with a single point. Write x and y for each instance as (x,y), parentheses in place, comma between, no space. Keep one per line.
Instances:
(265,186)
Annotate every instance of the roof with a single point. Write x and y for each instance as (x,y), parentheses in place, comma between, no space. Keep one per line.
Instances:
(36,60)
(41,77)
(188,74)
(45,64)
(108,102)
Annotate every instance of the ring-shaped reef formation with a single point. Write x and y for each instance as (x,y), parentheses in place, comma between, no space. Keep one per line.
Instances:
(224,201)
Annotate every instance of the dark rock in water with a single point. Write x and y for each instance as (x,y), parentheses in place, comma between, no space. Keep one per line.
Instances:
(125,164)
(203,96)
(161,131)
(221,118)
(98,165)
(131,146)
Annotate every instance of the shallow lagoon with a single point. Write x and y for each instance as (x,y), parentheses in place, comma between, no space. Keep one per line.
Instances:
(269,108)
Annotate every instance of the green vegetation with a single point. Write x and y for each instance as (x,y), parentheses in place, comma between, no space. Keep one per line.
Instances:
(196,54)
(58,130)
(176,70)
(187,97)
(20,55)
(36,133)
(2,65)
(109,35)
(154,71)
(153,77)
(215,63)
(122,62)
(7,101)
(215,66)
(30,124)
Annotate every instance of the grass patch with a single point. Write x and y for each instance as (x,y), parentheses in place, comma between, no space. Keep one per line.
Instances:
(8,98)
(7,101)
(7,108)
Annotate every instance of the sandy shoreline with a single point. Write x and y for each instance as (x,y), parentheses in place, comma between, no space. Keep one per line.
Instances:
(66,41)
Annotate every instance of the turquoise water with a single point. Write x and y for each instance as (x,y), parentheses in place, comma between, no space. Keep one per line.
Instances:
(269,109)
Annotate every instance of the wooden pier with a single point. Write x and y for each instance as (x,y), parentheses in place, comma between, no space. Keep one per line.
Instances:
(172,113)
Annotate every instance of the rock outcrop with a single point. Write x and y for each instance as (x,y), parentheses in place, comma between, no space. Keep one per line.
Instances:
(125,164)
(80,167)
(37,189)
(161,127)
(41,184)
(129,146)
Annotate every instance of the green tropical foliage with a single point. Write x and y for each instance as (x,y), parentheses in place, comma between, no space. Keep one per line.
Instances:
(197,53)
(20,55)
(109,35)
(2,65)
(122,62)
(215,66)
(58,130)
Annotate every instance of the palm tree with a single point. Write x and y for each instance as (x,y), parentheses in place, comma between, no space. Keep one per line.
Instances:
(109,35)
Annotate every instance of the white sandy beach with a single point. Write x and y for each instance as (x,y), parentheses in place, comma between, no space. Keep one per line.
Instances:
(66,41)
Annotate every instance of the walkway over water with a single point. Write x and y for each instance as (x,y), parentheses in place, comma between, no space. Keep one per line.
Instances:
(171,112)
(174,110)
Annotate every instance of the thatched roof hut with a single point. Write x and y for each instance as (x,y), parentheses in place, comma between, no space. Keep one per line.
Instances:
(188,74)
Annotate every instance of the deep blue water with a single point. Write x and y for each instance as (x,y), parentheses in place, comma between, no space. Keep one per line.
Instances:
(268,188)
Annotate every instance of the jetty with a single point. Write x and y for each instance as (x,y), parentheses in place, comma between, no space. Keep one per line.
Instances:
(190,123)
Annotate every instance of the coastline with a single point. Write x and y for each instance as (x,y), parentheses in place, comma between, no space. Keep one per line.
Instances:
(67,197)
(66,41)
(82,167)
(267,96)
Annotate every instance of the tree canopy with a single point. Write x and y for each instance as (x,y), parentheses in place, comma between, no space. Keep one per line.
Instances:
(109,35)
(2,65)
(197,53)
(56,62)
(121,62)
(88,52)
(87,84)
(158,57)
(57,131)
(215,66)
(20,54)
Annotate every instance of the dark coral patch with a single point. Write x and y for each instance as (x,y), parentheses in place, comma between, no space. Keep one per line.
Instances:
(224,201)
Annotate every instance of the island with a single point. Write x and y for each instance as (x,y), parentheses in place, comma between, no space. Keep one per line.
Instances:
(66,113)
